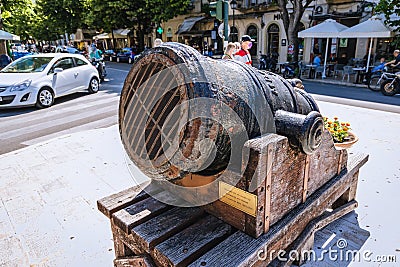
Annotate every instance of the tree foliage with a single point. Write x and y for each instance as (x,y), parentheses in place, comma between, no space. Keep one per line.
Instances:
(17,17)
(61,16)
(292,21)
(139,14)
(389,8)
(48,19)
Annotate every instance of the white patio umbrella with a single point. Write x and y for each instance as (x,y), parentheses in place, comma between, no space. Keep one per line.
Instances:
(6,35)
(327,29)
(371,28)
(16,37)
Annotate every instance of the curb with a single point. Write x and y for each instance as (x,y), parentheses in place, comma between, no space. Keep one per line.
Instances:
(337,82)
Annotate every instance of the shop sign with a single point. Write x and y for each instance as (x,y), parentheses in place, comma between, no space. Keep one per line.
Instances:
(290,49)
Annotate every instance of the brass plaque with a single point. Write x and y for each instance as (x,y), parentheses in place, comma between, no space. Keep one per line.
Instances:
(238,198)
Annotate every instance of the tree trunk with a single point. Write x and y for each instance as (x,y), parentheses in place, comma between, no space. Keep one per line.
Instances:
(113,39)
(294,40)
(291,22)
(3,49)
(140,36)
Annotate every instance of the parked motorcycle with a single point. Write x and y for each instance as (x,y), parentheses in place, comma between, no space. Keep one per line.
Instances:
(263,62)
(268,62)
(100,65)
(288,70)
(391,86)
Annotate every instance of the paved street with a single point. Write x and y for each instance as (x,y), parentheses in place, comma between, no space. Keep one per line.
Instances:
(71,158)
(353,96)
(70,114)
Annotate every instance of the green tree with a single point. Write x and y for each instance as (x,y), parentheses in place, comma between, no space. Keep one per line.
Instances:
(139,14)
(19,18)
(389,8)
(57,17)
(292,21)
(16,16)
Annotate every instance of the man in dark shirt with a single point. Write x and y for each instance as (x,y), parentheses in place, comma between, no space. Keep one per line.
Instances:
(395,63)
(343,59)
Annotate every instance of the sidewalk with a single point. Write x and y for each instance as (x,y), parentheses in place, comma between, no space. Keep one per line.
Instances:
(337,81)
(48,192)
(48,213)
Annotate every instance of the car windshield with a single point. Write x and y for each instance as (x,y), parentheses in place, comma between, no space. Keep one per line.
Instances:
(28,65)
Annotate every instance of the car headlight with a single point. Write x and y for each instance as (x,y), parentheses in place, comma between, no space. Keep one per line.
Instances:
(20,86)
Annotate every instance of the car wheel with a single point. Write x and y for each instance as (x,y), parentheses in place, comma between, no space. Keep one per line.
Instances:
(130,60)
(117,59)
(45,98)
(94,86)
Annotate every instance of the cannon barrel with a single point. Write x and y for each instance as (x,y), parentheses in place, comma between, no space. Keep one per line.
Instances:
(181,112)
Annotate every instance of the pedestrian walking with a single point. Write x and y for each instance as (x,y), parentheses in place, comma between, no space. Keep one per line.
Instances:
(243,55)
(229,51)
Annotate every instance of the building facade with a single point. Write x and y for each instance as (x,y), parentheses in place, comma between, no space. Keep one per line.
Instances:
(262,20)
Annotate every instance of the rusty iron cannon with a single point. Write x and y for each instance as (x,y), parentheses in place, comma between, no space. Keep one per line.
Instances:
(181,112)
(244,145)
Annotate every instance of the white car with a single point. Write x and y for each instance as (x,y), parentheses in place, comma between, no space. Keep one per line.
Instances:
(39,79)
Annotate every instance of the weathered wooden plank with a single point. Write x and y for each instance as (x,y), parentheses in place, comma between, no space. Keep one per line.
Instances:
(157,230)
(315,225)
(325,163)
(227,213)
(143,210)
(124,246)
(231,251)
(110,204)
(257,174)
(189,244)
(306,177)
(287,180)
(134,261)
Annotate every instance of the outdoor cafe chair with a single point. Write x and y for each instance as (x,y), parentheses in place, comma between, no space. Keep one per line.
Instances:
(347,70)
(319,69)
(338,68)
(304,70)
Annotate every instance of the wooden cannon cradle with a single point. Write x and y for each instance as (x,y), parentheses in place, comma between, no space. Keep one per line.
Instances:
(294,195)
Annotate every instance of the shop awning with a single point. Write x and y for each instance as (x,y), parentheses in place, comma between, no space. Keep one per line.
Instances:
(188,24)
(118,34)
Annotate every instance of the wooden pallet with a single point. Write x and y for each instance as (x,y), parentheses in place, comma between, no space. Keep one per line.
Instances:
(148,232)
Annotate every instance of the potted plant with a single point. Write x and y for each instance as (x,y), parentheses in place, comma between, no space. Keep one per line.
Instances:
(343,138)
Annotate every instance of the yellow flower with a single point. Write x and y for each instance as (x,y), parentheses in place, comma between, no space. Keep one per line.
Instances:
(338,130)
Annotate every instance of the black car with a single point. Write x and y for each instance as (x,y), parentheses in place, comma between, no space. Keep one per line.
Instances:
(126,55)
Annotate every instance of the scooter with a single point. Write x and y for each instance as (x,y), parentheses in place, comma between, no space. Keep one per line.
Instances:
(288,71)
(100,65)
(267,62)
(263,62)
(391,86)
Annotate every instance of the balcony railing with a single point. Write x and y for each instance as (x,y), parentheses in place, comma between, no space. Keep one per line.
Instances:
(256,3)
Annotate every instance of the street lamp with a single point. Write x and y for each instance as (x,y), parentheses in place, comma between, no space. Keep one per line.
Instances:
(233,6)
